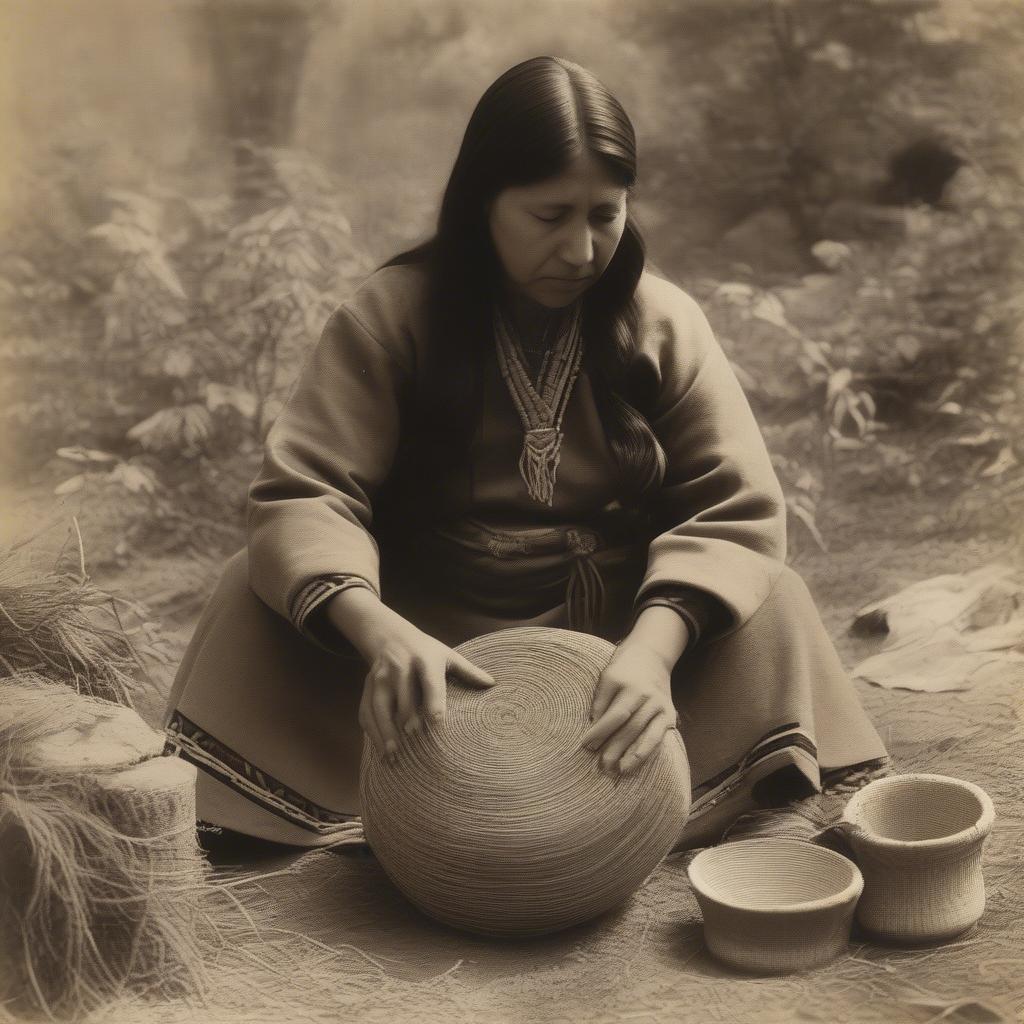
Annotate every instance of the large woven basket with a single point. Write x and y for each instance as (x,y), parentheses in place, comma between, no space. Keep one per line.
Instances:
(497,821)
(918,839)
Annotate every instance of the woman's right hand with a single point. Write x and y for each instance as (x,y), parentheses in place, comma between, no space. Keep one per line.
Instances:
(406,686)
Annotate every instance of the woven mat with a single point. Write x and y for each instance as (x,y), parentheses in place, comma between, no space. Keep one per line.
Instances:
(368,955)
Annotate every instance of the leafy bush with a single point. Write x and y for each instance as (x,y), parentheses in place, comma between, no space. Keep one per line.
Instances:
(223,349)
(168,369)
(901,366)
(830,411)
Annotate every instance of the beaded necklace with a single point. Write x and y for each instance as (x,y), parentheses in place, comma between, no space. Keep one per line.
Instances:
(540,407)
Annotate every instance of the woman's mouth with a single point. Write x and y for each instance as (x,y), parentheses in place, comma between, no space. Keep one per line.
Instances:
(568,282)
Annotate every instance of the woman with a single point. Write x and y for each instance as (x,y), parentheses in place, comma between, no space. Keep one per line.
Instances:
(513,424)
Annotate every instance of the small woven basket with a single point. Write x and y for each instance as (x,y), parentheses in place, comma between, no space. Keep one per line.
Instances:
(497,821)
(918,839)
(775,906)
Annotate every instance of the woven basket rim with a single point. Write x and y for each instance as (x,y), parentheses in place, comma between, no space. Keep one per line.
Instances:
(523,636)
(978,830)
(589,640)
(849,893)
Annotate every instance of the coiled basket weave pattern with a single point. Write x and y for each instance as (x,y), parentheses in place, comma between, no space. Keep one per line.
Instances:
(497,821)
(919,841)
(772,905)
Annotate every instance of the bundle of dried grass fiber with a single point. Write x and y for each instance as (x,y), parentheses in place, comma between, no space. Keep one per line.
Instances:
(498,821)
(99,868)
(108,910)
(109,913)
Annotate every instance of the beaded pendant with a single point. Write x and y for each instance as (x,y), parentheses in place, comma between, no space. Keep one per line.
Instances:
(540,408)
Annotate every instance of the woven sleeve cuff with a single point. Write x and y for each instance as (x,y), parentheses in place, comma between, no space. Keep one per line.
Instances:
(696,607)
(310,604)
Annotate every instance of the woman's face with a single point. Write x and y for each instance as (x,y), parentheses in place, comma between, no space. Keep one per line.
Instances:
(556,237)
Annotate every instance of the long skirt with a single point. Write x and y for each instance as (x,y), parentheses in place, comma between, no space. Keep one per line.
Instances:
(270,718)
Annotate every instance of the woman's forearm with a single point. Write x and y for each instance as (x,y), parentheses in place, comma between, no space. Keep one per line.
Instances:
(363,619)
(662,631)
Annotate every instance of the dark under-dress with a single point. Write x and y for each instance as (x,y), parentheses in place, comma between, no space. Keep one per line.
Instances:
(266,698)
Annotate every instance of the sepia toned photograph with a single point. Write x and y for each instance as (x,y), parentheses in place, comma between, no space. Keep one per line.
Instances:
(512,513)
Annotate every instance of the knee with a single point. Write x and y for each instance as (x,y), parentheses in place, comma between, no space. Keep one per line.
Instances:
(237,566)
(790,583)
(232,596)
(788,604)
(234,575)
(790,599)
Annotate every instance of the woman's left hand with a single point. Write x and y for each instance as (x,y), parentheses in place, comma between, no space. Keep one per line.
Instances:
(632,708)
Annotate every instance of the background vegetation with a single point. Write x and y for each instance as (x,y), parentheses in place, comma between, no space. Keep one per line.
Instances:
(196,184)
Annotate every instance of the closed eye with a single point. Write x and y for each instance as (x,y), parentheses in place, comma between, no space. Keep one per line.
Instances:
(607,218)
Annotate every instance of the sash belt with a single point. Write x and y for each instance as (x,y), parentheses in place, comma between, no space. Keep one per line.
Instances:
(584,597)
(585,592)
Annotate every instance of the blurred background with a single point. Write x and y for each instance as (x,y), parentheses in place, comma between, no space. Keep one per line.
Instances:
(190,186)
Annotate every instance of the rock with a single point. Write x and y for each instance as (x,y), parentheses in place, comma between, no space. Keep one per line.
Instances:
(947,632)
(831,255)
(767,240)
(967,187)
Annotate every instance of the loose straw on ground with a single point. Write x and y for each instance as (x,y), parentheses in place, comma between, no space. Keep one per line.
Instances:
(53,623)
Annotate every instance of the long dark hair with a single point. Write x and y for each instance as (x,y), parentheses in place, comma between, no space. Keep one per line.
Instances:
(527,127)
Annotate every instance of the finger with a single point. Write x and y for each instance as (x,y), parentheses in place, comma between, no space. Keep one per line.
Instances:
(646,743)
(625,736)
(614,717)
(604,693)
(406,716)
(382,703)
(434,692)
(366,719)
(465,670)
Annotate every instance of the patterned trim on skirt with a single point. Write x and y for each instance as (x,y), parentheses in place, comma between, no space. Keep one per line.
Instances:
(192,743)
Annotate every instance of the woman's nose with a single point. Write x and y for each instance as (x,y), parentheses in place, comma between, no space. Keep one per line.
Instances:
(577,248)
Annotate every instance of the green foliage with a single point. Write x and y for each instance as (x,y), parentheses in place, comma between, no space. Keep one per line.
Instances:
(100,466)
(841,412)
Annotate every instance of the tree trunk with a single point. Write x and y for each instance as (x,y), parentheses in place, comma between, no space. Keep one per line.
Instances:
(256,50)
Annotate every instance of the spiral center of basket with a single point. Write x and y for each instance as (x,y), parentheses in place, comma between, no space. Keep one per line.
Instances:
(506,716)
(529,713)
